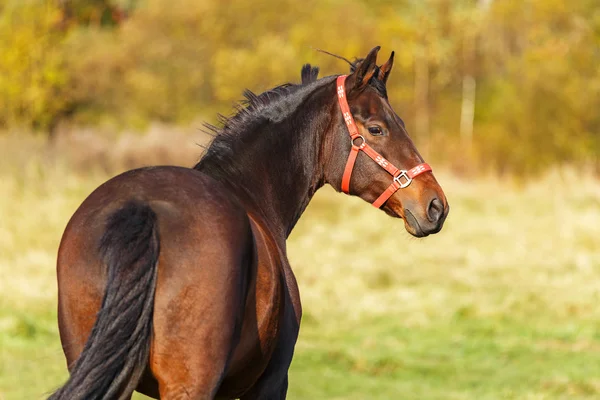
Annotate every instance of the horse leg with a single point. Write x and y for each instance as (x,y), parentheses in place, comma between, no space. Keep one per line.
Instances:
(273,384)
(192,343)
(197,322)
(267,392)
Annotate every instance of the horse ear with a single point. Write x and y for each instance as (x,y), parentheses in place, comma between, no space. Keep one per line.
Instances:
(385,69)
(365,71)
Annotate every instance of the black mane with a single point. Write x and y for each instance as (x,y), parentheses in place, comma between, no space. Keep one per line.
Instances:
(251,108)
(309,73)
(271,106)
(254,111)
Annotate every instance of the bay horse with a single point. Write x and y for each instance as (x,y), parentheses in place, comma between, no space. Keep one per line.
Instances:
(175,281)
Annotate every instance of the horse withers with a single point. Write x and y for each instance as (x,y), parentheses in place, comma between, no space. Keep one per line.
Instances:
(175,281)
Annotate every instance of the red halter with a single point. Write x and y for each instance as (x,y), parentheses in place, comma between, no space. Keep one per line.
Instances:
(402,178)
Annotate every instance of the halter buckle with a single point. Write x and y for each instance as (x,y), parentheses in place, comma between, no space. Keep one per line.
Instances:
(361,145)
(403,175)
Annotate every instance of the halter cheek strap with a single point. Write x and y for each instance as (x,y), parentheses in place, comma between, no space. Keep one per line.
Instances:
(402,178)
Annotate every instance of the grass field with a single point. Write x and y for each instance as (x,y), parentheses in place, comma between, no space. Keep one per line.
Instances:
(504,303)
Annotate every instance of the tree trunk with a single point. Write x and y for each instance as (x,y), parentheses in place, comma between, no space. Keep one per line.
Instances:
(469,85)
(422,98)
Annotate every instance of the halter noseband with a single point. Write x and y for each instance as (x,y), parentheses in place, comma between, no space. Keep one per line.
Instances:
(402,178)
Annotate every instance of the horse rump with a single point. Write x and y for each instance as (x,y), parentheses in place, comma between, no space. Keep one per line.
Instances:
(117,350)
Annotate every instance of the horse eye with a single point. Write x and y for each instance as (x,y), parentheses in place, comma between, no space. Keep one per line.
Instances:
(375,131)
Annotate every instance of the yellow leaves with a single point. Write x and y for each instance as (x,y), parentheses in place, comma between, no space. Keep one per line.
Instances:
(534,64)
(31,70)
(269,61)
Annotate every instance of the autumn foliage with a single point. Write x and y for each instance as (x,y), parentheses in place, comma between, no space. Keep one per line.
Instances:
(510,86)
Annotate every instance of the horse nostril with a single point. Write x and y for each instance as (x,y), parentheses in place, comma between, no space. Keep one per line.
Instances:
(435,210)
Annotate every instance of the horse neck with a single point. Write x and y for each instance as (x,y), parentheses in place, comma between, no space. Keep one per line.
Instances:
(280,166)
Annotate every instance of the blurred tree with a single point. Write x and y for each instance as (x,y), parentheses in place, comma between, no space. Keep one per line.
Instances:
(93,12)
(542,86)
(32,72)
(510,86)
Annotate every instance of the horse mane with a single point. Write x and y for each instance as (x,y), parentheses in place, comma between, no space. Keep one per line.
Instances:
(256,110)
(253,106)
(309,73)
(273,105)
(248,109)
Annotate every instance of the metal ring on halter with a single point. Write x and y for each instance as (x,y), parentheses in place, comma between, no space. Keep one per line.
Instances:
(358,137)
(398,178)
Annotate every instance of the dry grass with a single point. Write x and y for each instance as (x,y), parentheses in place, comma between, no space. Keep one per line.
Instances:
(503,303)
(539,242)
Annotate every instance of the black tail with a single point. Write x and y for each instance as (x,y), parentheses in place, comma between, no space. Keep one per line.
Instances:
(116,353)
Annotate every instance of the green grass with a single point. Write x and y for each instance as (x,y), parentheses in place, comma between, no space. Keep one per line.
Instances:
(504,303)
(467,358)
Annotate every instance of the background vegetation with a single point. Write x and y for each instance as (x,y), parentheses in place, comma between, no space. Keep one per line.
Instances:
(514,85)
(502,304)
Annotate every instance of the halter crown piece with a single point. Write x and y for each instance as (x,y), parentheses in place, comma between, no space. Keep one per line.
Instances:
(402,178)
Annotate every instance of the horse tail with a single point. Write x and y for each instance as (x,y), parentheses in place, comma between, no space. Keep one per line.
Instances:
(117,350)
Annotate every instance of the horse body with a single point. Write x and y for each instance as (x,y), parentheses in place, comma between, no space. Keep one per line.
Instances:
(176,282)
(211,247)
